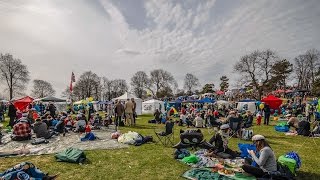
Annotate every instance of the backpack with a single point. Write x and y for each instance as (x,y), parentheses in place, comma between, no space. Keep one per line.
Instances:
(291,164)
(247,134)
(71,155)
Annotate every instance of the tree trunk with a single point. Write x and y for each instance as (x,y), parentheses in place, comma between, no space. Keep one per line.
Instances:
(11,88)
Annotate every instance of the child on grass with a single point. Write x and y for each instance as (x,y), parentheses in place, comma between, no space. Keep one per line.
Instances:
(259,118)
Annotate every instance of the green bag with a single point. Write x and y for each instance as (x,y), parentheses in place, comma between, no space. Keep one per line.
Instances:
(71,155)
(192,159)
(291,164)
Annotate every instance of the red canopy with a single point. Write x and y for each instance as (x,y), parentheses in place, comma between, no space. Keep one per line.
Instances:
(273,102)
(23,103)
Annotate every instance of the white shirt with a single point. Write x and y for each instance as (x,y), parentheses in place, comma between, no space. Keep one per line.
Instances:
(198,122)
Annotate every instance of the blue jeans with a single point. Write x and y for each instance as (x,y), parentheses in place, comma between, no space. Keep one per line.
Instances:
(23,171)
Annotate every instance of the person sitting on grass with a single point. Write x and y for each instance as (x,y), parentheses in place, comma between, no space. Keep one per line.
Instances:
(249,120)
(69,122)
(60,126)
(220,141)
(198,121)
(266,161)
(41,129)
(21,131)
(25,171)
(157,116)
(80,124)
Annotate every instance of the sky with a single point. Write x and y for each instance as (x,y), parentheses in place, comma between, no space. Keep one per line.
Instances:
(116,38)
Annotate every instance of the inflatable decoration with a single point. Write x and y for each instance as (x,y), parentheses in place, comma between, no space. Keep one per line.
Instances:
(193,139)
(261,106)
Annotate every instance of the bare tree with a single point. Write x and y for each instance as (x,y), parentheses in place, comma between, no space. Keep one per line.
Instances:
(266,60)
(139,82)
(14,73)
(190,82)
(302,72)
(106,89)
(88,85)
(313,61)
(159,80)
(256,68)
(119,87)
(42,89)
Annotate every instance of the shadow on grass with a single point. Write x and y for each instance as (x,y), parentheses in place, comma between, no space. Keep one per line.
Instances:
(139,127)
(307,176)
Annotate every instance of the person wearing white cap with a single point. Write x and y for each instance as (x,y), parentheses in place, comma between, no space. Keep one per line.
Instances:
(220,141)
(266,161)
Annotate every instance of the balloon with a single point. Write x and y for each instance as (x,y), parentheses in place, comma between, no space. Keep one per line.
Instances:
(90,99)
(261,106)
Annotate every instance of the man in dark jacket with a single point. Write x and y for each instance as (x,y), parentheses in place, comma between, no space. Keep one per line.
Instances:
(119,110)
(267,113)
(40,128)
(52,110)
(12,113)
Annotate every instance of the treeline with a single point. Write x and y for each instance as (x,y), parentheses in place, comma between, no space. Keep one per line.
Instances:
(261,71)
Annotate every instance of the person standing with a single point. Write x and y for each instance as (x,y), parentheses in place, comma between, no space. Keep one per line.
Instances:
(134,111)
(267,113)
(118,113)
(2,110)
(12,113)
(128,108)
(52,109)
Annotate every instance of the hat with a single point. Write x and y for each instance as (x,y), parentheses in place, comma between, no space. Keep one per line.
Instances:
(33,109)
(63,117)
(258,137)
(224,127)
(288,115)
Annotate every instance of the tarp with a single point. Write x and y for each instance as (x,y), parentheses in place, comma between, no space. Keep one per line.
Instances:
(206,100)
(273,102)
(50,99)
(23,103)
(149,107)
(138,101)
(247,100)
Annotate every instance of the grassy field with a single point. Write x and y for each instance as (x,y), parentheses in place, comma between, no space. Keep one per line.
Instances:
(153,161)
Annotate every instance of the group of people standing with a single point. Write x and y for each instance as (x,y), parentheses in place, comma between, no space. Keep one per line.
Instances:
(127,111)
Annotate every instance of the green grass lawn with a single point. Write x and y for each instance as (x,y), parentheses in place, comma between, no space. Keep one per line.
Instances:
(153,161)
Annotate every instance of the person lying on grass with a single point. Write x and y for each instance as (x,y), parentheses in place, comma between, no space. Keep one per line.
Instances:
(25,171)
(266,161)
(221,141)
(302,127)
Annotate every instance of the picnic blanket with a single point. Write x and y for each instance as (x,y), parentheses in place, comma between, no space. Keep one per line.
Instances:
(205,174)
(59,143)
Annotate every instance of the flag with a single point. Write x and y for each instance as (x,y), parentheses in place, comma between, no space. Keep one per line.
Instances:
(71,88)
(73,79)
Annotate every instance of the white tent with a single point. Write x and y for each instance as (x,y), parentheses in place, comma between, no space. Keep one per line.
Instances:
(149,107)
(251,106)
(129,96)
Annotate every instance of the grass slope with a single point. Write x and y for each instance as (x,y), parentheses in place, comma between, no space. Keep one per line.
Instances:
(153,161)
